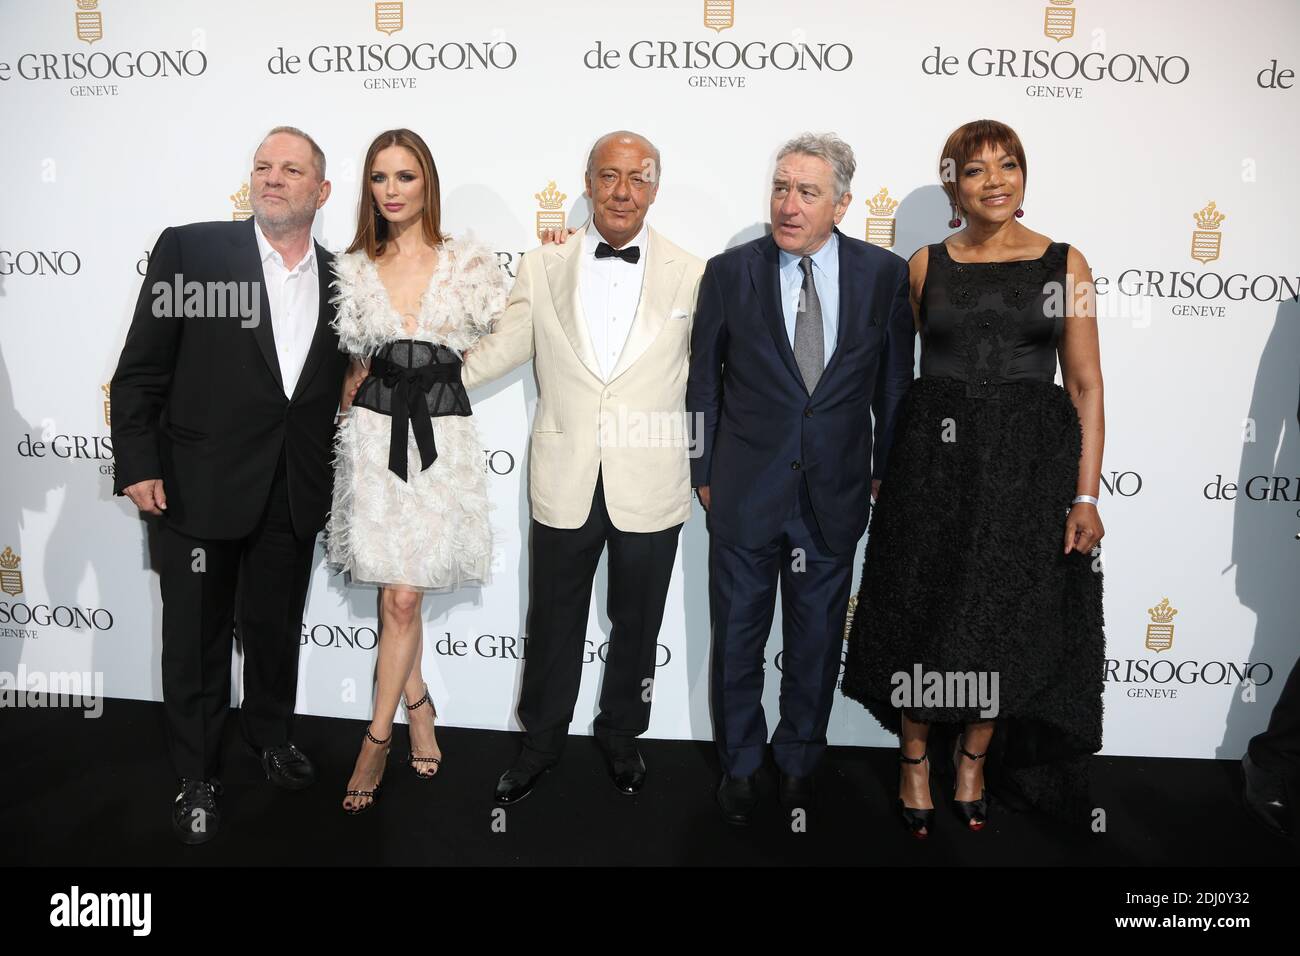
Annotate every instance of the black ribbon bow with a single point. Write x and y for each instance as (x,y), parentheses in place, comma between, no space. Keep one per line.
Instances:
(629,254)
(410,406)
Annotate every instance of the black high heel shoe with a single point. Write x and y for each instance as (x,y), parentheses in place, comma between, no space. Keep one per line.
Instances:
(918,822)
(974,813)
(411,759)
(372,795)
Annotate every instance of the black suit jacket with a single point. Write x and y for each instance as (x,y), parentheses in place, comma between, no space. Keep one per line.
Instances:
(199,401)
(756,429)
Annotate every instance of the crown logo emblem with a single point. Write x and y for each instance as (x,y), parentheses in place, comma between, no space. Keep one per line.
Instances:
(390,17)
(1207,241)
(1160,632)
(719,15)
(107,388)
(11,579)
(551,215)
(243,204)
(881,222)
(90,22)
(1058,20)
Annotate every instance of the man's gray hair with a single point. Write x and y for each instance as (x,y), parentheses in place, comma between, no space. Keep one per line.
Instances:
(829,147)
(624,134)
(317,154)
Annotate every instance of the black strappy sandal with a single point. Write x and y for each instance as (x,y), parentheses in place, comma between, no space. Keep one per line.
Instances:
(372,794)
(975,813)
(918,822)
(411,758)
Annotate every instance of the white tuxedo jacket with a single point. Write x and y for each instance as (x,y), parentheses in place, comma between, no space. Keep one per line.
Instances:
(631,428)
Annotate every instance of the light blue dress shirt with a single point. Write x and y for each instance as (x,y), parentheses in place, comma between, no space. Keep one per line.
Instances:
(826,278)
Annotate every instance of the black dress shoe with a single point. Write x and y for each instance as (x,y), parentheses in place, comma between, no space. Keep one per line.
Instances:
(797,792)
(1265,797)
(288,767)
(737,796)
(195,817)
(627,770)
(517,783)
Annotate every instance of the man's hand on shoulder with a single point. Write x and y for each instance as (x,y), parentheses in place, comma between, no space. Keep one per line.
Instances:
(557,236)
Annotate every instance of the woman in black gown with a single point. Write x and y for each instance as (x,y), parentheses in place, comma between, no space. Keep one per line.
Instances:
(978,560)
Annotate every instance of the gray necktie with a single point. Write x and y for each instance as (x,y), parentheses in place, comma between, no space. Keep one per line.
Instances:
(809,344)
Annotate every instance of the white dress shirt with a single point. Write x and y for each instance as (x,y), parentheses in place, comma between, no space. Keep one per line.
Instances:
(611,292)
(826,280)
(294,296)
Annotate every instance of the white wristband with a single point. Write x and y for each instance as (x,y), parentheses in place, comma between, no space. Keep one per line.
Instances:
(1081,498)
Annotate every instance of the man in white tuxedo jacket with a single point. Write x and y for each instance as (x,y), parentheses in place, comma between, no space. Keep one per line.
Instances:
(606,317)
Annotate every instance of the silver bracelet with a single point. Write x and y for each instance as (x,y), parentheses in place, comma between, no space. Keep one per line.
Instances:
(1081,498)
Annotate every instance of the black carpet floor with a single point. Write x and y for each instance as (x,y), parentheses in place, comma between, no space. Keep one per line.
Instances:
(83,792)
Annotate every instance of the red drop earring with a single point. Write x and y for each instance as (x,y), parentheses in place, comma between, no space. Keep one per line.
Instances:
(955,221)
(1020,214)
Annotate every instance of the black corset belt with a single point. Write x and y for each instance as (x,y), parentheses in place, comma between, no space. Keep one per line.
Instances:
(411,388)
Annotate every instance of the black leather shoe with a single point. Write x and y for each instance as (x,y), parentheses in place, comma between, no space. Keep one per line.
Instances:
(737,796)
(288,767)
(1265,797)
(797,792)
(627,770)
(195,817)
(517,783)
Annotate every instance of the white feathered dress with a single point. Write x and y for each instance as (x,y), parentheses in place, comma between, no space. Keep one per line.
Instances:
(430,532)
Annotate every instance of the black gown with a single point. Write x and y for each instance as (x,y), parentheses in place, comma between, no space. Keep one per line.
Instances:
(964,568)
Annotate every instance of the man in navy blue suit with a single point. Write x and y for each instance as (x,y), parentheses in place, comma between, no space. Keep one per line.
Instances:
(797,336)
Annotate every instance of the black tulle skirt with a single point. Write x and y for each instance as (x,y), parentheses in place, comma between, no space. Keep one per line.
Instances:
(965,573)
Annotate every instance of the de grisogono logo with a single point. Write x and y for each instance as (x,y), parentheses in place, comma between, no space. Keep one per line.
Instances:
(1163,677)
(550,212)
(110,67)
(512,648)
(11,579)
(52,442)
(243,205)
(1207,240)
(90,22)
(39,262)
(881,223)
(1160,632)
(22,619)
(399,61)
(715,63)
(1063,67)
(1210,290)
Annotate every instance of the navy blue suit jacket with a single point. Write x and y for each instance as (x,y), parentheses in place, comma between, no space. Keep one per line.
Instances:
(756,431)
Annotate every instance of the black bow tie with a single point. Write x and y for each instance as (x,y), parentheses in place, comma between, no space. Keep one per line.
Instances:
(629,254)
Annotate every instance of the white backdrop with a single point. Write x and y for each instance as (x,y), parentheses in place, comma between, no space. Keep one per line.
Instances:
(124,117)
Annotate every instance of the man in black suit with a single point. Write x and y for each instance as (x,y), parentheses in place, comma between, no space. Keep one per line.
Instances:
(224,404)
(795,334)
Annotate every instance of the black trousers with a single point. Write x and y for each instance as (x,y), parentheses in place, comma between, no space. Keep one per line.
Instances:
(260,583)
(814,584)
(561,571)
(1277,749)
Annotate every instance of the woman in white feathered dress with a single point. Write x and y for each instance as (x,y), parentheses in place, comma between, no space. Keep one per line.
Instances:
(410,507)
